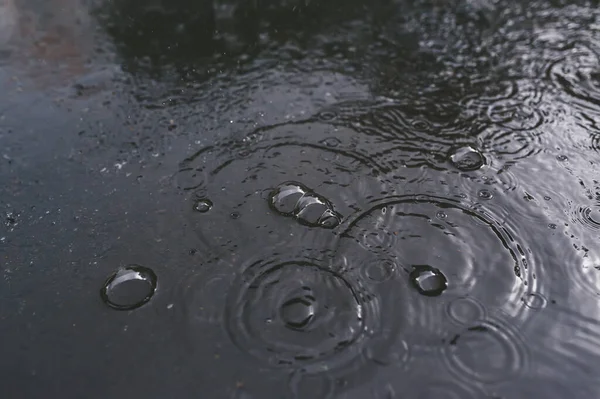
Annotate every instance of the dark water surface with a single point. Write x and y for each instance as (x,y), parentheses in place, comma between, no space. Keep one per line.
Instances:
(300,199)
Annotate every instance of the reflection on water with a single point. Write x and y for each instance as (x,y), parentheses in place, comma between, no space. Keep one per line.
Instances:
(339,199)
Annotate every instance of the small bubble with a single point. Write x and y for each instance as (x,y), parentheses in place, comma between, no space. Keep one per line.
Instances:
(552,226)
(307,207)
(329,219)
(535,301)
(243,153)
(327,116)
(203,205)
(562,158)
(331,142)
(441,215)
(129,287)
(467,159)
(234,215)
(297,313)
(428,280)
(485,194)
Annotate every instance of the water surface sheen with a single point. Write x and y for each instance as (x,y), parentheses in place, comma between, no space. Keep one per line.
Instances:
(300,199)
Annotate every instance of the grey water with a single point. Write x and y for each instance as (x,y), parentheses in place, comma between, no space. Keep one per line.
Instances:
(299,199)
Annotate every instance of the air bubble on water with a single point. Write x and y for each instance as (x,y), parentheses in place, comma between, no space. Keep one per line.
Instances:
(428,280)
(485,194)
(286,196)
(129,287)
(562,158)
(306,206)
(203,205)
(331,142)
(467,159)
(329,219)
(441,215)
(297,313)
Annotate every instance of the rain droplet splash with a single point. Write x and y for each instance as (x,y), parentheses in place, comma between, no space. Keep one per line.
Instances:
(428,280)
(129,288)
(296,314)
(467,159)
(469,351)
(309,208)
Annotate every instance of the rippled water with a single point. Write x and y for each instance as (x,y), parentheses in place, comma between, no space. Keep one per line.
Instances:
(296,199)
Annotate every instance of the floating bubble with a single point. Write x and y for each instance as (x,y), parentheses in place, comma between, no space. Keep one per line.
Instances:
(428,280)
(298,312)
(535,301)
(129,288)
(485,194)
(467,159)
(203,205)
(295,199)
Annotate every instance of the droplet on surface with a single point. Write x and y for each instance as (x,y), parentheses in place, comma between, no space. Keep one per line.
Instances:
(441,215)
(467,159)
(428,280)
(129,288)
(203,205)
(285,198)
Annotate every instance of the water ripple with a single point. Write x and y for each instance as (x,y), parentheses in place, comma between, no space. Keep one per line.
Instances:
(238,175)
(578,75)
(470,247)
(302,314)
(490,351)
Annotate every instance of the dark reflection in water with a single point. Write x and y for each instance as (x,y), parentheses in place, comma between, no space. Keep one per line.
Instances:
(339,199)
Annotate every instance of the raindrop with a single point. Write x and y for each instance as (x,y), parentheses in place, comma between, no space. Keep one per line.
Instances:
(467,159)
(428,280)
(203,205)
(129,288)
(485,194)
